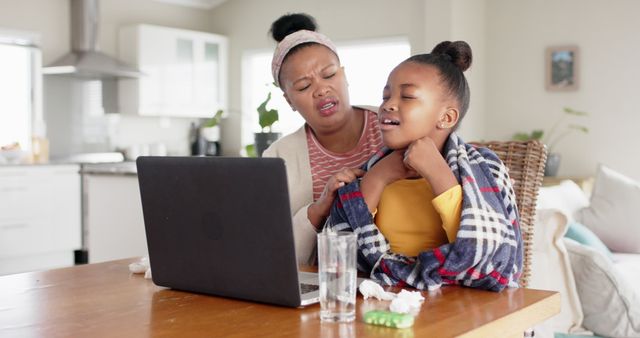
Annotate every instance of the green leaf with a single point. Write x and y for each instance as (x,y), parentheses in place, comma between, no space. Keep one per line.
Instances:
(575,112)
(537,134)
(267,117)
(262,108)
(521,137)
(214,121)
(579,128)
(251,150)
(534,135)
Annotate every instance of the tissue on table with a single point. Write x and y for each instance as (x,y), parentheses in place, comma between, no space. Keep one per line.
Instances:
(141,267)
(403,302)
(370,288)
(406,301)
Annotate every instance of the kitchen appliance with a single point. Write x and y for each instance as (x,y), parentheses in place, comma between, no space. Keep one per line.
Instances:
(85,60)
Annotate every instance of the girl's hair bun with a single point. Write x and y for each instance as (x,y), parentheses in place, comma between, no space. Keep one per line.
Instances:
(291,23)
(458,52)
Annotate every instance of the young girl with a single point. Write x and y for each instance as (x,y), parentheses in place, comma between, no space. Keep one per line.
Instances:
(432,209)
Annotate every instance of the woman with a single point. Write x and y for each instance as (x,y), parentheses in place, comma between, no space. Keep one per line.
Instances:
(336,134)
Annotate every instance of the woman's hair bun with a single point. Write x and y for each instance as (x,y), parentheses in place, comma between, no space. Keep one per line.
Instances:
(291,23)
(458,52)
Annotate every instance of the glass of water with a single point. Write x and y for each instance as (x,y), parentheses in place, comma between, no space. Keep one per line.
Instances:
(337,273)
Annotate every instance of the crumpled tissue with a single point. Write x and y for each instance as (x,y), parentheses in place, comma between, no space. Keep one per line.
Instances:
(141,267)
(406,301)
(369,288)
(403,302)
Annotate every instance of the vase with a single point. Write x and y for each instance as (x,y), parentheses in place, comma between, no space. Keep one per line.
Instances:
(264,140)
(552,165)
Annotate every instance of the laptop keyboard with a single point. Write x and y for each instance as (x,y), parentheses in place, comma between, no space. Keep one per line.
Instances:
(306,288)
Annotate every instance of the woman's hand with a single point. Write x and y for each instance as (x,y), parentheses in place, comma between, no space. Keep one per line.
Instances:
(425,158)
(319,210)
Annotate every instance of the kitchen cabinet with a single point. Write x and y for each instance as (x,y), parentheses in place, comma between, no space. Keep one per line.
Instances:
(40,217)
(114,223)
(185,72)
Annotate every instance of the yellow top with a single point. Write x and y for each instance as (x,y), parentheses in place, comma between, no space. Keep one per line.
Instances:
(413,220)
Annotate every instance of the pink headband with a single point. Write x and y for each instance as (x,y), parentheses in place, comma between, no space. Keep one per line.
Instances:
(292,40)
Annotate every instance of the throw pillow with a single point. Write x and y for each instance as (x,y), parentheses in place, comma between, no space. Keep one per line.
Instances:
(610,305)
(567,197)
(584,236)
(612,213)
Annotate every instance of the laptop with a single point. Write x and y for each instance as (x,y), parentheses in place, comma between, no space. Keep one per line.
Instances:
(222,226)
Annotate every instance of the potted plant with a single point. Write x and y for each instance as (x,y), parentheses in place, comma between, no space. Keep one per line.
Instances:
(267,117)
(554,136)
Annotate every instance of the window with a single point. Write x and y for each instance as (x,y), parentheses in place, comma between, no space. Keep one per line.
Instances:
(17,85)
(367,65)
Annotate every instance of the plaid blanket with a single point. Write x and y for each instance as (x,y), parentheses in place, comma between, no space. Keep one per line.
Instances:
(487,252)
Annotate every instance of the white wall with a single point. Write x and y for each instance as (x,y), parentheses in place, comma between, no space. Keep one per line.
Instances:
(49,18)
(468,24)
(607,34)
(246,23)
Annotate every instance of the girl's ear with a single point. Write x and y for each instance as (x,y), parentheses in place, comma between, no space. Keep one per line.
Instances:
(288,101)
(449,118)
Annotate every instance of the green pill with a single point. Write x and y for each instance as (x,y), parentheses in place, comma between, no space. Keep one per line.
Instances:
(388,319)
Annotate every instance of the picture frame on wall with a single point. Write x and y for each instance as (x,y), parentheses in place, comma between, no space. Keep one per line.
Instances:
(562,71)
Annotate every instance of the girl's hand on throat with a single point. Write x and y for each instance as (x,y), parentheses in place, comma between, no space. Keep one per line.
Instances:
(423,156)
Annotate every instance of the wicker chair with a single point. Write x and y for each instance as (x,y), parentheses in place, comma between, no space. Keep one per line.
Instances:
(525,161)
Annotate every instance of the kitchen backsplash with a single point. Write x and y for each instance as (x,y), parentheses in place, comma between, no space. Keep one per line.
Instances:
(74,113)
(147,133)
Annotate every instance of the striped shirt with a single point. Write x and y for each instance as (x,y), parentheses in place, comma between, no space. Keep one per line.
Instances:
(325,163)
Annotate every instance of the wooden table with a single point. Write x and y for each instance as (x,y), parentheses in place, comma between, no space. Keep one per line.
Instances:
(105,300)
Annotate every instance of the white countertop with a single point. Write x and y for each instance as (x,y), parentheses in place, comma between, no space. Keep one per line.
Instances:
(119,168)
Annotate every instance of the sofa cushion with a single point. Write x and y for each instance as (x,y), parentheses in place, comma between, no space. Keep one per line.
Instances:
(612,213)
(567,197)
(551,270)
(629,267)
(584,236)
(610,305)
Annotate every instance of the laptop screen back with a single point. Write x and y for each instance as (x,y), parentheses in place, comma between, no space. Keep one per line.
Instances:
(220,226)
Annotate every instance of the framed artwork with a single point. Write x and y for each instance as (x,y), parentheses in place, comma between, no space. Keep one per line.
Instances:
(562,68)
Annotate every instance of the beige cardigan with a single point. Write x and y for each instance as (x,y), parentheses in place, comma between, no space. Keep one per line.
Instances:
(293,150)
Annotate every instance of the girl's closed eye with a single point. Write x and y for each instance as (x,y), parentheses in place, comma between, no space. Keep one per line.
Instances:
(408,95)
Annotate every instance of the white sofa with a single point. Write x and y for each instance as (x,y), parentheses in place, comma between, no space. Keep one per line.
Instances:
(600,290)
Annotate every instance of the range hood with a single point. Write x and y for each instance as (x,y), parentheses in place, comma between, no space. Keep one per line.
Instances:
(85,60)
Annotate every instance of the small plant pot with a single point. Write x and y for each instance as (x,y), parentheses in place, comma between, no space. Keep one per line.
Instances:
(264,140)
(552,165)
